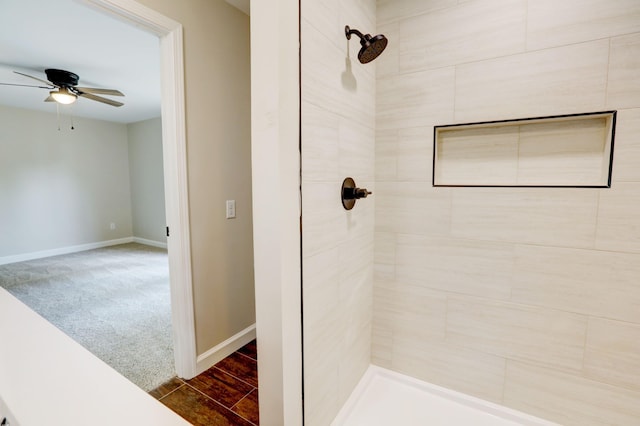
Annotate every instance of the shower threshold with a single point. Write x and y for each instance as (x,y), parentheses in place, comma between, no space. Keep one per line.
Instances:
(384,397)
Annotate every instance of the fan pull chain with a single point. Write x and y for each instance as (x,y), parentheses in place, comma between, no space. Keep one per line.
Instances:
(71,115)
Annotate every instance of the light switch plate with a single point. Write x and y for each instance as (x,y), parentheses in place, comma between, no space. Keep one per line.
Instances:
(231,209)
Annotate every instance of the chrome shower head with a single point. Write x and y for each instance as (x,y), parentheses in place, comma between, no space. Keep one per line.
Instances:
(372,47)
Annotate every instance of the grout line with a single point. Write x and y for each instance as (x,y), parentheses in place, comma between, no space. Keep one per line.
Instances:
(208,397)
(219,403)
(164,396)
(247,356)
(235,377)
(241,399)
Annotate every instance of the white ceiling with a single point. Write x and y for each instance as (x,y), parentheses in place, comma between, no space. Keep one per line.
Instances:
(68,35)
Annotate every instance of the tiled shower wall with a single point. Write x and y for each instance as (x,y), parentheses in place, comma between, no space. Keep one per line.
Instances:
(338,134)
(528,297)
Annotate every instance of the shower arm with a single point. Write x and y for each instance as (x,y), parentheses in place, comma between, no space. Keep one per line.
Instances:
(348,31)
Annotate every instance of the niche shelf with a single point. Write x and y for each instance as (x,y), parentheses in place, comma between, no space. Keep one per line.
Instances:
(558,151)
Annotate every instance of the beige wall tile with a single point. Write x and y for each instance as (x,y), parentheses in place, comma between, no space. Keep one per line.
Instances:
(357,151)
(415,100)
(563,80)
(412,208)
(323,219)
(476,268)
(589,282)
(618,227)
(386,161)
(418,312)
(479,156)
(422,232)
(384,289)
(338,140)
(322,335)
(623,90)
(466,33)
(517,331)
(572,152)
(415,154)
(382,326)
(567,399)
(322,331)
(321,149)
(317,89)
(389,10)
(321,391)
(322,16)
(626,151)
(320,281)
(333,81)
(556,23)
(388,63)
(354,361)
(356,304)
(557,216)
(385,255)
(360,14)
(381,345)
(612,353)
(471,372)
(356,255)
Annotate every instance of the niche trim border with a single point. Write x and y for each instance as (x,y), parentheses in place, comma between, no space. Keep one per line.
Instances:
(610,115)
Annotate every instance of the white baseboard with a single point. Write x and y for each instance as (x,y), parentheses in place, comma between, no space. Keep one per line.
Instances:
(62,250)
(224,349)
(149,242)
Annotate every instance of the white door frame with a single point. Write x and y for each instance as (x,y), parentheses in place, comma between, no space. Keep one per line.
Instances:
(175,170)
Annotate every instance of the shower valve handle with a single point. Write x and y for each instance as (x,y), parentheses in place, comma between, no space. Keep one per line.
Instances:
(361,193)
(350,193)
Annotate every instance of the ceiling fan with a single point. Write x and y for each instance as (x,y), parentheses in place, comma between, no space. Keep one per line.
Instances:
(67,90)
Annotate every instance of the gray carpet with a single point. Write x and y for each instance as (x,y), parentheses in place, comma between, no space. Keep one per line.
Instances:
(114,301)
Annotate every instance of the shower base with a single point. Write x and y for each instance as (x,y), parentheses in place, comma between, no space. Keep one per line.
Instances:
(384,397)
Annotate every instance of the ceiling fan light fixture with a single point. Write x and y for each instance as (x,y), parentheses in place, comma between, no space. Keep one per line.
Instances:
(63,96)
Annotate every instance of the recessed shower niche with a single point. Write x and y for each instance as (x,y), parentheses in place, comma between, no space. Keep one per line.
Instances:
(558,151)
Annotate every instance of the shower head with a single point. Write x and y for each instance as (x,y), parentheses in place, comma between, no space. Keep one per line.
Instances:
(372,47)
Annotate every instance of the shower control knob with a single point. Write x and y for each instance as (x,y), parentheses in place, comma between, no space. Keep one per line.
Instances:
(350,193)
(361,193)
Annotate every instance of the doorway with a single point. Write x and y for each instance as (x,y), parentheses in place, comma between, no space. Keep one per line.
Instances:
(175,170)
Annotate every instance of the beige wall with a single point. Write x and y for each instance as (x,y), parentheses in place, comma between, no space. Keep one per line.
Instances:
(217,85)
(525,297)
(61,188)
(147,180)
(338,130)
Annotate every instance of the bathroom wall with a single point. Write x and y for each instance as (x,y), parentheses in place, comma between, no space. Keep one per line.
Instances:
(338,131)
(527,297)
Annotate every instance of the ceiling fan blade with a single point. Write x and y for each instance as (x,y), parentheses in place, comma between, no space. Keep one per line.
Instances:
(49,99)
(97,91)
(100,99)
(48,83)
(27,85)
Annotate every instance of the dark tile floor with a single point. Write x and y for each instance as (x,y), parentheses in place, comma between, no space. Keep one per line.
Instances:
(225,394)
